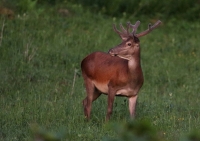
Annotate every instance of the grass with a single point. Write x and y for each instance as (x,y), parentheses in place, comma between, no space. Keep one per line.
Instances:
(40,53)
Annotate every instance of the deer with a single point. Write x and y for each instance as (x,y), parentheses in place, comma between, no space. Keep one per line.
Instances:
(116,73)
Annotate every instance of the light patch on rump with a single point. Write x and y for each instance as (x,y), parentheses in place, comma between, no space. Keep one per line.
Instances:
(102,87)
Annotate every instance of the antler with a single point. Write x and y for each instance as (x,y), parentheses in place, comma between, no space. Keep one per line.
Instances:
(125,32)
(134,27)
(150,28)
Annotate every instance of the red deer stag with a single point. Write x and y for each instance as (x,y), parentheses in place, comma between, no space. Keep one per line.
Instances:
(116,73)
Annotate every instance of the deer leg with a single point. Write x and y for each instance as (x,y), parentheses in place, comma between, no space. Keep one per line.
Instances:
(92,94)
(95,96)
(87,102)
(132,105)
(84,107)
(111,97)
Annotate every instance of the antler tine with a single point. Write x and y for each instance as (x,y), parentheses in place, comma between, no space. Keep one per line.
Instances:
(116,30)
(134,27)
(124,33)
(150,28)
(123,29)
(128,26)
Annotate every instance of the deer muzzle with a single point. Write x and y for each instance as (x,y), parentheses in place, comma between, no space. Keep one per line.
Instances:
(112,53)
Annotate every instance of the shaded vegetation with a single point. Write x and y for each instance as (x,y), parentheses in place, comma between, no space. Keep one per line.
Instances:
(180,9)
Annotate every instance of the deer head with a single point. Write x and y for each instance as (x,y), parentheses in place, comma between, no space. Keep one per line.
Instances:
(130,40)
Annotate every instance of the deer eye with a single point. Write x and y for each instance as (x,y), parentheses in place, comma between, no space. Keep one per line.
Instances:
(129,44)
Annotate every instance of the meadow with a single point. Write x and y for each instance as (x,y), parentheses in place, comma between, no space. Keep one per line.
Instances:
(41,83)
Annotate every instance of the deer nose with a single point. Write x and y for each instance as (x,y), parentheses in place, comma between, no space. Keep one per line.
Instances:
(111,52)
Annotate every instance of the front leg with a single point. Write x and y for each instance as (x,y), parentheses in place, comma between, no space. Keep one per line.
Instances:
(132,105)
(111,97)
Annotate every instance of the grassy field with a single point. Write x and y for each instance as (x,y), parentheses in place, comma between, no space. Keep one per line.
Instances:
(40,81)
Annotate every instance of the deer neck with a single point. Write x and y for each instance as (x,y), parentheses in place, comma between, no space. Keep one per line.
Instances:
(134,63)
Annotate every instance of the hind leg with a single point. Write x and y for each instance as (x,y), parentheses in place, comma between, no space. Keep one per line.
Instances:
(92,94)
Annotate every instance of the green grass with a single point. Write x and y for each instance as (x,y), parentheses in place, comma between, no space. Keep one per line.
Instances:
(39,55)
